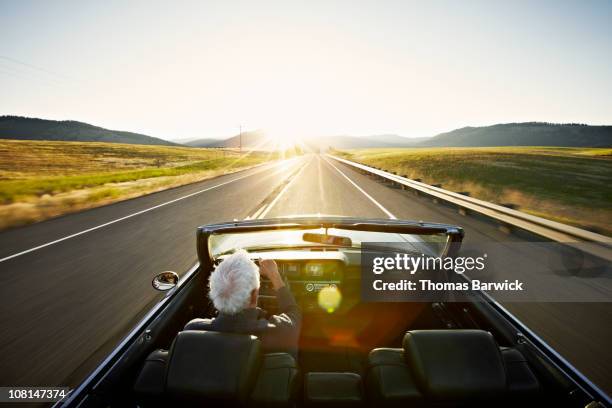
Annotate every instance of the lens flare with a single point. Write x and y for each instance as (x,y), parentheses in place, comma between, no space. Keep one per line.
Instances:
(329,298)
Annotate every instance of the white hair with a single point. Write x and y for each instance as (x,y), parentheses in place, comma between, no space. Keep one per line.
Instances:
(232,282)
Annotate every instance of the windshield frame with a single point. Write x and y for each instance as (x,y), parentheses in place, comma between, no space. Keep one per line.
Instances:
(206,258)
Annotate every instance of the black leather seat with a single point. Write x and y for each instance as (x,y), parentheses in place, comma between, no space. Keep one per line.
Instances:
(389,381)
(522,383)
(447,367)
(213,367)
(278,383)
(150,385)
(330,389)
(455,365)
(217,368)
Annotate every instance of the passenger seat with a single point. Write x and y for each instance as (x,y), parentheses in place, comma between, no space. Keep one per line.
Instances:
(447,367)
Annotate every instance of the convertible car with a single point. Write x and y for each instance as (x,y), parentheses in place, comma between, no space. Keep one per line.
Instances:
(352,352)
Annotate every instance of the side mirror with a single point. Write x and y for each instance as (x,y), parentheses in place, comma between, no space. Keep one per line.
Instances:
(165,281)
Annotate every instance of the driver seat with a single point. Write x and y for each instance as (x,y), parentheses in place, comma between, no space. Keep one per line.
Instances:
(204,367)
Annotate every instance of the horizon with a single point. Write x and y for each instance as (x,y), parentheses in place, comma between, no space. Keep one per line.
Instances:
(310,137)
(294,70)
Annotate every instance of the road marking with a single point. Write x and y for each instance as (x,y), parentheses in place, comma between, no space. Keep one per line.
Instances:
(27,251)
(259,210)
(261,213)
(379,205)
(264,209)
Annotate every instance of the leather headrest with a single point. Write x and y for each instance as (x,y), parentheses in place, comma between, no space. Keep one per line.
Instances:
(213,366)
(455,364)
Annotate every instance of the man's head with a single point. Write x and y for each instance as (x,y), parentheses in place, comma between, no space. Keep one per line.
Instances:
(234,284)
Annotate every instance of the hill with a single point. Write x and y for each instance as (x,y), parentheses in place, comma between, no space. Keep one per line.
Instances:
(22,128)
(525,134)
(251,140)
(258,139)
(363,142)
(208,142)
(396,140)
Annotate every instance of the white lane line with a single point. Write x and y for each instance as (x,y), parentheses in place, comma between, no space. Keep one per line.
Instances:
(254,216)
(379,205)
(269,207)
(27,251)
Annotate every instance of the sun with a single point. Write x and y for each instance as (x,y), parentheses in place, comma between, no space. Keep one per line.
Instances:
(282,139)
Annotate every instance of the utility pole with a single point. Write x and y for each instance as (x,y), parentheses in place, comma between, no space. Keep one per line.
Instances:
(240,138)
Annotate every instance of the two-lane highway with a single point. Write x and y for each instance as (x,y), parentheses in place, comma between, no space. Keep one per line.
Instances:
(70,287)
(64,305)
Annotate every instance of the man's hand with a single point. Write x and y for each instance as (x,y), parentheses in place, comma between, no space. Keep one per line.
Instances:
(268,269)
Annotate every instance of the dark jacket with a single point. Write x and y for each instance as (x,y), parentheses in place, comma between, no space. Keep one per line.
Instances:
(279,332)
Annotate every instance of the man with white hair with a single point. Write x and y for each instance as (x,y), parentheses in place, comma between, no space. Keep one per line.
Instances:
(234,288)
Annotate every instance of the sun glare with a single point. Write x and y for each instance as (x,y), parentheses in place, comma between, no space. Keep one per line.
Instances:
(282,139)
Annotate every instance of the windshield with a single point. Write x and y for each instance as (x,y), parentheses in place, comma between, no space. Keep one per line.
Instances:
(430,244)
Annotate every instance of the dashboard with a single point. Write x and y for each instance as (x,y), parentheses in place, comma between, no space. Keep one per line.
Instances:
(306,274)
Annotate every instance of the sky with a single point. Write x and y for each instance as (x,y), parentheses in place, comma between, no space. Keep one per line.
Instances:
(200,69)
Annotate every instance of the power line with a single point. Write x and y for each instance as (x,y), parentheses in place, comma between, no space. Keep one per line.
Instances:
(29,76)
(37,68)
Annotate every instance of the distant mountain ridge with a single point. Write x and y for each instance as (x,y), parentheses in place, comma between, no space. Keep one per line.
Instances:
(507,134)
(346,142)
(206,142)
(396,140)
(363,142)
(23,128)
(258,139)
(525,134)
(255,139)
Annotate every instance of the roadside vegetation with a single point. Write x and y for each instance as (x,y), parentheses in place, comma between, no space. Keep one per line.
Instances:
(42,179)
(569,185)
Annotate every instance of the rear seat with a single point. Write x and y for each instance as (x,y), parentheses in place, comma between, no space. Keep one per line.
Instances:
(522,382)
(219,368)
(333,390)
(447,367)
(278,382)
(389,382)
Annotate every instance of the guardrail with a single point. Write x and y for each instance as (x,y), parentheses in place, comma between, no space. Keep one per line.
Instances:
(551,230)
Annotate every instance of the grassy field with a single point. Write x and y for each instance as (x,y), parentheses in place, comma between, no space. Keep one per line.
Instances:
(42,179)
(569,185)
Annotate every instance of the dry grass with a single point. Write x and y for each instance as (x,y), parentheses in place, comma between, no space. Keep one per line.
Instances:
(570,185)
(42,179)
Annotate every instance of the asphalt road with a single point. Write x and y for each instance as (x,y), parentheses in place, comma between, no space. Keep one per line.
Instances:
(66,304)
